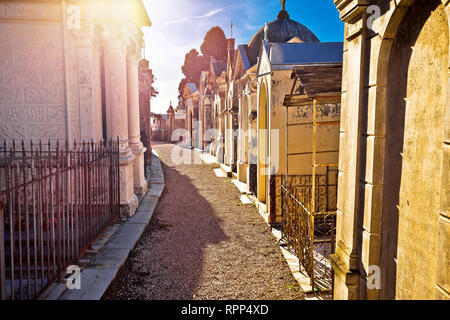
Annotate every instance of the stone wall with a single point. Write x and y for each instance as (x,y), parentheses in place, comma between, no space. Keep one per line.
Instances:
(51,81)
(393,212)
(32,103)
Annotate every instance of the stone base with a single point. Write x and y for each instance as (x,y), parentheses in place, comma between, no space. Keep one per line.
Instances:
(128,209)
(346,282)
(141,190)
(139,172)
(242,171)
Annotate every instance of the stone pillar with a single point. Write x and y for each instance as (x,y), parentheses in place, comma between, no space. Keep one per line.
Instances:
(242,161)
(134,131)
(443,271)
(117,112)
(89,86)
(345,262)
(145,94)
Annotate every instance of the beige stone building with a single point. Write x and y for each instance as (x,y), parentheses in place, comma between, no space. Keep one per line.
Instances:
(244,76)
(394,168)
(277,155)
(260,79)
(217,84)
(69,71)
(244,82)
(192,98)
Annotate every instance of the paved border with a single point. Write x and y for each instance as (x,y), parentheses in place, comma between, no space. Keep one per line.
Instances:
(113,251)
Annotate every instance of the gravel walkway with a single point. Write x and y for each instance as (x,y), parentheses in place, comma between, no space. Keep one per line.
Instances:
(203,243)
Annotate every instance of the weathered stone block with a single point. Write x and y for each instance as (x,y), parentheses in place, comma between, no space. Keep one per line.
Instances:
(53,10)
(373,208)
(25,10)
(344,70)
(445,196)
(341,197)
(370,254)
(377,68)
(443,270)
(376,110)
(11,95)
(375,160)
(447,114)
(12,131)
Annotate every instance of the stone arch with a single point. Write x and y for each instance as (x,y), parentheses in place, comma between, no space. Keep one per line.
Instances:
(263,141)
(411,103)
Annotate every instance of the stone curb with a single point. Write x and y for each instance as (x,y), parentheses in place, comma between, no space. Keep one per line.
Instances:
(102,268)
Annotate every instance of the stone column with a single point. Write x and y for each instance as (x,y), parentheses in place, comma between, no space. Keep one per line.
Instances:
(134,130)
(145,93)
(89,83)
(242,161)
(346,260)
(117,112)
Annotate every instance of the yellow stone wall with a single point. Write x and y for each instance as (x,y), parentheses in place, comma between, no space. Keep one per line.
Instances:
(300,136)
(394,164)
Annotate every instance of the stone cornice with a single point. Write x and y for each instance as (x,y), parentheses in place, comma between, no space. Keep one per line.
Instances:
(351,9)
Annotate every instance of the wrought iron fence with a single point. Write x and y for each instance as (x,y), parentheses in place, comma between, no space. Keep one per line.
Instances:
(309,233)
(54,202)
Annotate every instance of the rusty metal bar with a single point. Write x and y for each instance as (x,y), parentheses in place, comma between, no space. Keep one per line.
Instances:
(53,204)
(313,189)
(298,234)
(2,255)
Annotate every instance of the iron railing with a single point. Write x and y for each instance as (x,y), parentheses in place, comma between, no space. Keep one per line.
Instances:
(309,234)
(54,202)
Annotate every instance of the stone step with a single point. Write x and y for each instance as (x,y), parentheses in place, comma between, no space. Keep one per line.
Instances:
(226,169)
(242,187)
(208,159)
(246,200)
(219,173)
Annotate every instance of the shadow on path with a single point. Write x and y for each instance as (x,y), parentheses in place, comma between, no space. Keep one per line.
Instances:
(167,262)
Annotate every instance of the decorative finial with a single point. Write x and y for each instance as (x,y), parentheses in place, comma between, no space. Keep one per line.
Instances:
(283,14)
(266,32)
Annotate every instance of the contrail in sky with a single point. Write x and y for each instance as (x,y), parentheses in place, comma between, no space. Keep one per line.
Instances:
(206,15)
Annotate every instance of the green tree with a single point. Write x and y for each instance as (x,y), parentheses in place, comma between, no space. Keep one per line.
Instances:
(181,86)
(214,44)
(193,66)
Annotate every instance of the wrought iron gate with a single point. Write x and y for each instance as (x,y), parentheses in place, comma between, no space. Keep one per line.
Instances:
(309,234)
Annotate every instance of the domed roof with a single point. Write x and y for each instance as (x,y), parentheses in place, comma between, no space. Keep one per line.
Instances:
(282,29)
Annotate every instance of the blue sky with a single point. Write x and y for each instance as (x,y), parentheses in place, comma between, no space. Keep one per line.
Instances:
(180,25)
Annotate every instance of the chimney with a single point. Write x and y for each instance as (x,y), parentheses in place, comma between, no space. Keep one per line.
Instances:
(231,43)
(230,50)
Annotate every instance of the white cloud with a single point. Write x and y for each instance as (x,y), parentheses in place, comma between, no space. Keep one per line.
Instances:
(168,41)
(206,15)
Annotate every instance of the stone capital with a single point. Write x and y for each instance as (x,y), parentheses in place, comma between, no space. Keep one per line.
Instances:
(134,50)
(115,36)
(85,37)
(126,158)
